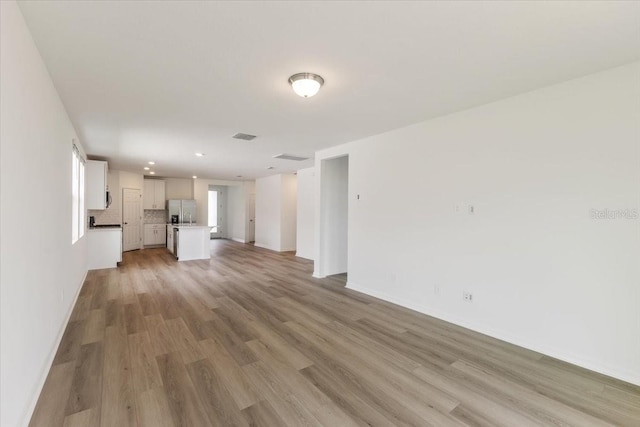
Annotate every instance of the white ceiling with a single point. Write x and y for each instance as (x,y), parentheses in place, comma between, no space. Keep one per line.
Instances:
(162,80)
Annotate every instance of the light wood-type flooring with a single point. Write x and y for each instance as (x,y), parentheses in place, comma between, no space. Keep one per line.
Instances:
(250,338)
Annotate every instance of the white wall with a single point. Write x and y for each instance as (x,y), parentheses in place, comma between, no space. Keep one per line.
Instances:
(305,213)
(276,212)
(268,207)
(131,180)
(41,272)
(288,219)
(543,273)
(334,215)
(178,189)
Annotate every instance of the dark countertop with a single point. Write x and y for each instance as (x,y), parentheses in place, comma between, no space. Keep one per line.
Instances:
(104,226)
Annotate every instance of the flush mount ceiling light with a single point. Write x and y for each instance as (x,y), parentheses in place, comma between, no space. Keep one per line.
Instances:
(146,168)
(200,154)
(152,173)
(194,177)
(152,163)
(306,84)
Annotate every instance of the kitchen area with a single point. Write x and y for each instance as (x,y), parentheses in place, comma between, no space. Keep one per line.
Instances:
(186,239)
(127,211)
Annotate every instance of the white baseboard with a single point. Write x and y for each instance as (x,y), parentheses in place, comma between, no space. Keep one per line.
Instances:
(612,371)
(260,245)
(235,239)
(303,256)
(52,356)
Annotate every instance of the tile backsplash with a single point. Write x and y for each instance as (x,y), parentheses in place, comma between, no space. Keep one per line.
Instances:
(106,216)
(155,216)
(113,216)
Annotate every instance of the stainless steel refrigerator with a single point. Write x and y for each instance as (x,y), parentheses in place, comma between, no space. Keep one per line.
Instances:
(181,212)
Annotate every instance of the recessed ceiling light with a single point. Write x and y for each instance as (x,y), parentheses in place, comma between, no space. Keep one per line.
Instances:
(306,84)
(238,176)
(152,163)
(194,177)
(200,154)
(152,173)
(146,168)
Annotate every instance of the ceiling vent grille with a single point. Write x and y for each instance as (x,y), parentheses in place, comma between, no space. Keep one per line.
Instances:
(244,136)
(290,157)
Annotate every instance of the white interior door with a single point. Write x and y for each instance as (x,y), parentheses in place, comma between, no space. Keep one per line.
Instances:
(251,231)
(131,219)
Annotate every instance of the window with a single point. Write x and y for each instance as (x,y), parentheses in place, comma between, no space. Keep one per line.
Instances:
(77,195)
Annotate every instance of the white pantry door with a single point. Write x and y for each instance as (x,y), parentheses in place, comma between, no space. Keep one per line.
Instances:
(251,232)
(131,219)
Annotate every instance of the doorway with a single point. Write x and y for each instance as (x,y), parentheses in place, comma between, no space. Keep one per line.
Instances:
(216,211)
(334,217)
(131,219)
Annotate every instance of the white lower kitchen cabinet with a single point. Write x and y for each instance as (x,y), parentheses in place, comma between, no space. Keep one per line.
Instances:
(104,246)
(155,234)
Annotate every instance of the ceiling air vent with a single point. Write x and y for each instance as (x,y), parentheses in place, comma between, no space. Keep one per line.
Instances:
(290,157)
(244,136)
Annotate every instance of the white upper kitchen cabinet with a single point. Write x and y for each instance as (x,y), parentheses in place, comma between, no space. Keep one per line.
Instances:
(96,182)
(154,194)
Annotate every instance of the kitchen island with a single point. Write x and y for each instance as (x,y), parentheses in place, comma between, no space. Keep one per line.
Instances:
(187,242)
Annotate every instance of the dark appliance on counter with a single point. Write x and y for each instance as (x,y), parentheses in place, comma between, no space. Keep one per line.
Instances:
(92,221)
(175,219)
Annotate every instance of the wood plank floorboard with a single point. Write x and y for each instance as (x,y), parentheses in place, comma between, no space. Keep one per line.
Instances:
(249,338)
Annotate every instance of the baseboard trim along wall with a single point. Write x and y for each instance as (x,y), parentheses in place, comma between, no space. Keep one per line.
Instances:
(52,356)
(631,377)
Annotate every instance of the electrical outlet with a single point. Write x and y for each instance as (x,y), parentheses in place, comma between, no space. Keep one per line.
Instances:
(436,290)
(467,296)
